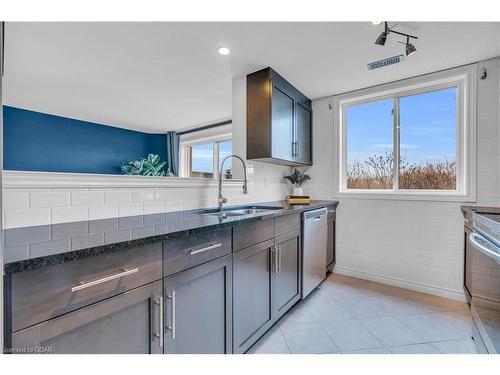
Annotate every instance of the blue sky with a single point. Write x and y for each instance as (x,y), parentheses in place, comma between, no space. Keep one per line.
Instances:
(203,156)
(427,127)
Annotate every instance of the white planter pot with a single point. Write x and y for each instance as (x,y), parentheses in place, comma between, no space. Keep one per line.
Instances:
(297,191)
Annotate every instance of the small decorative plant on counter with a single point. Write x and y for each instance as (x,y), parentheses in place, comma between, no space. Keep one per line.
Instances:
(228,174)
(297,179)
(150,166)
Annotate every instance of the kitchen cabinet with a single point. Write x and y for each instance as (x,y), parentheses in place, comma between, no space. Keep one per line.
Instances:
(128,323)
(266,284)
(330,242)
(287,272)
(253,284)
(198,309)
(279,120)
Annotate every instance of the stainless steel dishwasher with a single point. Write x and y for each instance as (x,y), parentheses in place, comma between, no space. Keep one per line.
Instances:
(314,238)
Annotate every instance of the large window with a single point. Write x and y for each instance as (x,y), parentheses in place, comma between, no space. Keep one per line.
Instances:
(407,140)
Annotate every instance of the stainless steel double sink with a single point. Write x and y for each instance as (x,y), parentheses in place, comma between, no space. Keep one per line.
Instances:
(238,211)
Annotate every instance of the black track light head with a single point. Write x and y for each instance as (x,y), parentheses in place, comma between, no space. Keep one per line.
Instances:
(410,48)
(381,39)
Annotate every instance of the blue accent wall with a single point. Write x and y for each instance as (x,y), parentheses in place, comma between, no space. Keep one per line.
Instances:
(35,141)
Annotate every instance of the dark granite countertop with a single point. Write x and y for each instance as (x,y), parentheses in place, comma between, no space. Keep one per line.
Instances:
(29,248)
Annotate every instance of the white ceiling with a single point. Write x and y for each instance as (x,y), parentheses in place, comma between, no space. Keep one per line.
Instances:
(162,76)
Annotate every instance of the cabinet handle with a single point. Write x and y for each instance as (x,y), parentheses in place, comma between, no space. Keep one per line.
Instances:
(276,259)
(203,249)
(171,327)
(124,272)
(297,152)
(273,258)
(279,258)
(159,336)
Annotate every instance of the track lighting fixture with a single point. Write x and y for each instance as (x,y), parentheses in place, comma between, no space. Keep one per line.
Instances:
(410,48)
(382,38)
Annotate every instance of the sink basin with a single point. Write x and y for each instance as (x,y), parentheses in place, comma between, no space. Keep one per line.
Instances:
(238,211)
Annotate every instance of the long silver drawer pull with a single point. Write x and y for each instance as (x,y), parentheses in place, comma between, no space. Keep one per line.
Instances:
(203,249)
(171,327)
(123,273)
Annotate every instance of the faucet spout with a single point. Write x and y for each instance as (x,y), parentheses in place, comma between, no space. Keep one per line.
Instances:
(220,199)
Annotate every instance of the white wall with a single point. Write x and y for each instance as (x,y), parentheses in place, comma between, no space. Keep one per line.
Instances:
(413,244)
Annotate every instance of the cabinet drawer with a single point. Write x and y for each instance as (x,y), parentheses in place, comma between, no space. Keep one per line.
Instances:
(51,291)
(186,252)
(251,233)
(287,223)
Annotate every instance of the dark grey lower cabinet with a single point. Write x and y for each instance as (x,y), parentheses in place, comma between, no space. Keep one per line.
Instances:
(128,323)
(198,305)
(287,287)
(253,284)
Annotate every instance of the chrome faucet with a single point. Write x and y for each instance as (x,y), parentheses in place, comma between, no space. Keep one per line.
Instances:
(221,198)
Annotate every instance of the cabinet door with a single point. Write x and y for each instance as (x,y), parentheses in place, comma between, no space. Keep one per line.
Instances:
(129,323)
(287,272)
(303,138)
(252,294)
(282,124)
(330,244)
(198,309)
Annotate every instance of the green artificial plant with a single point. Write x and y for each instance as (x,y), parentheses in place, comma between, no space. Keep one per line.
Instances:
(150,166)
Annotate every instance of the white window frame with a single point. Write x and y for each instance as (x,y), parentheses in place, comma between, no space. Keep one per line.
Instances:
(186,142)
(464,78)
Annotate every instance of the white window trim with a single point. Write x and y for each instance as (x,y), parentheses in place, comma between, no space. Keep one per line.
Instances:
(187,142)
(465,78)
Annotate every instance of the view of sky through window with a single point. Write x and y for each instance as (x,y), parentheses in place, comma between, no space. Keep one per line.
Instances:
(428,142)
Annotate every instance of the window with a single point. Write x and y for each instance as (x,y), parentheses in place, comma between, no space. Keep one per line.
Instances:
(413,139)
(201,153)
(202,160)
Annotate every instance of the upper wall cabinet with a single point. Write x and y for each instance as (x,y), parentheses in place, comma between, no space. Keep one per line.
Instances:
(279,120)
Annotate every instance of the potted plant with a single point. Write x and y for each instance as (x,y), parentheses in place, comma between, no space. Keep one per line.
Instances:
(228,174)
(297,179)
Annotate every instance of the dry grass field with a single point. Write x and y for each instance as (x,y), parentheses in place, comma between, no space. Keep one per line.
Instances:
(376,173)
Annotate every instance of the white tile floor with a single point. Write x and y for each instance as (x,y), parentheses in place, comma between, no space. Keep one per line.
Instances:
(348,315)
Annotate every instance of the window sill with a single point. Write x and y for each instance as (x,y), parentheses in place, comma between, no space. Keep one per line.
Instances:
(404,196)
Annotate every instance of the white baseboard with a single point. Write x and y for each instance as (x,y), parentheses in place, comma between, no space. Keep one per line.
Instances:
(405,284)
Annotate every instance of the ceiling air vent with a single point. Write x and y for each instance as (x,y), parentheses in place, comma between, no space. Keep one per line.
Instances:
(385,62)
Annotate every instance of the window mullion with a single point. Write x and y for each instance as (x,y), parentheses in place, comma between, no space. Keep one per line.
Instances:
(395,148)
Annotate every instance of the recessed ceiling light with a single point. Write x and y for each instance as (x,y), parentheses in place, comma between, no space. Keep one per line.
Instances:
(224,51)
(376,22)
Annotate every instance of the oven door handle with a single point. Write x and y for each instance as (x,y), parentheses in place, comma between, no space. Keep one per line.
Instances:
(479,243)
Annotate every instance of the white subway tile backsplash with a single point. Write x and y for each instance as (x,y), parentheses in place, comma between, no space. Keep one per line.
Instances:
(154,207)
(69,214)
(103,212)
(130,209)
(13,200)
(49,199)
(93,203)
(87,198)
(164,194)
(27,217)
(117,196)
(143,196)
